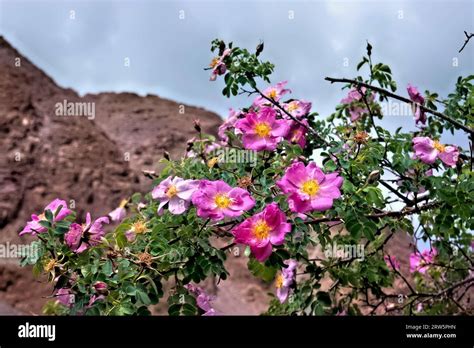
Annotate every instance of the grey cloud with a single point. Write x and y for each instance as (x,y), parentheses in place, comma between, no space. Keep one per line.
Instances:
(168,54)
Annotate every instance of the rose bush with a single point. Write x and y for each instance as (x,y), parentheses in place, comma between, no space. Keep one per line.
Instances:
(315,183)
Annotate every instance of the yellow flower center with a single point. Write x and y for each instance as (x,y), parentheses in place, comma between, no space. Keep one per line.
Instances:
(292,106)
(261,230)
(296,135)
(279,281)
(438,146)
(172,191)
(139,227)
(42,216)
(272,94)
(222,201)
(310,187)
(214,62)
(262,129)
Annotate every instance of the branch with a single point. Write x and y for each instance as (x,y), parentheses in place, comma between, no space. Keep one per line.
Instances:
(396,213)
(406,100)
(468,37)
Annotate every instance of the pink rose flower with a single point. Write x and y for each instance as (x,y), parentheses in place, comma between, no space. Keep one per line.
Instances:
(119,213)
(353,96)
(273,92)
(297,133)
(416,97)
(176,192)
(262,131)
(262,231)
(427,150)
(420,262)
(34,226)
(95,298)
(285,279)
(65,296)
(228,124)
(82,237)
(308,188)
(203,300)
(218,66)
(217,200)
(357,106)
(297,108)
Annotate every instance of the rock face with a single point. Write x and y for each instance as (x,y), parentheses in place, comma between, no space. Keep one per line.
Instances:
(93,163)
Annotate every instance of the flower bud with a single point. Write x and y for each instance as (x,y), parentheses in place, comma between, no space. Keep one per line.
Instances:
(197,125)
(373,177)
(101,288)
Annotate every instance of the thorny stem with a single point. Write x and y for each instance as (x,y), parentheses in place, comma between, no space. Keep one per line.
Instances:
(406,100)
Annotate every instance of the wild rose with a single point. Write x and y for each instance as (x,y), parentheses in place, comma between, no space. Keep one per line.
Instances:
(273,92)
(82,237)
(308,188)
(416,97)
(65,296)
(218,66)
(419,262)
(95,298)
(285,279)
(212,147)
(357,106)
(217,200)
(176,192)
(34,225)
(262,131)
(298,108)
(119,213)
(262,231)
(392,262)
(228,124)
(427,150)
(203,300)
(297,133)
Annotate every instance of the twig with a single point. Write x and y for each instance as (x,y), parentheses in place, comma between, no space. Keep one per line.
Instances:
(395,213)
(468,37)
(406,100)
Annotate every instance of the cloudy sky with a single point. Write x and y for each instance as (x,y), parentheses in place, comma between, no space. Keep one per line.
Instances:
(84,44)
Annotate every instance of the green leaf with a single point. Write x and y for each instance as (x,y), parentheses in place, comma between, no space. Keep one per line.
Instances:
(259,270)
(49,215)
(143,297)
(324,298)
(107,268)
